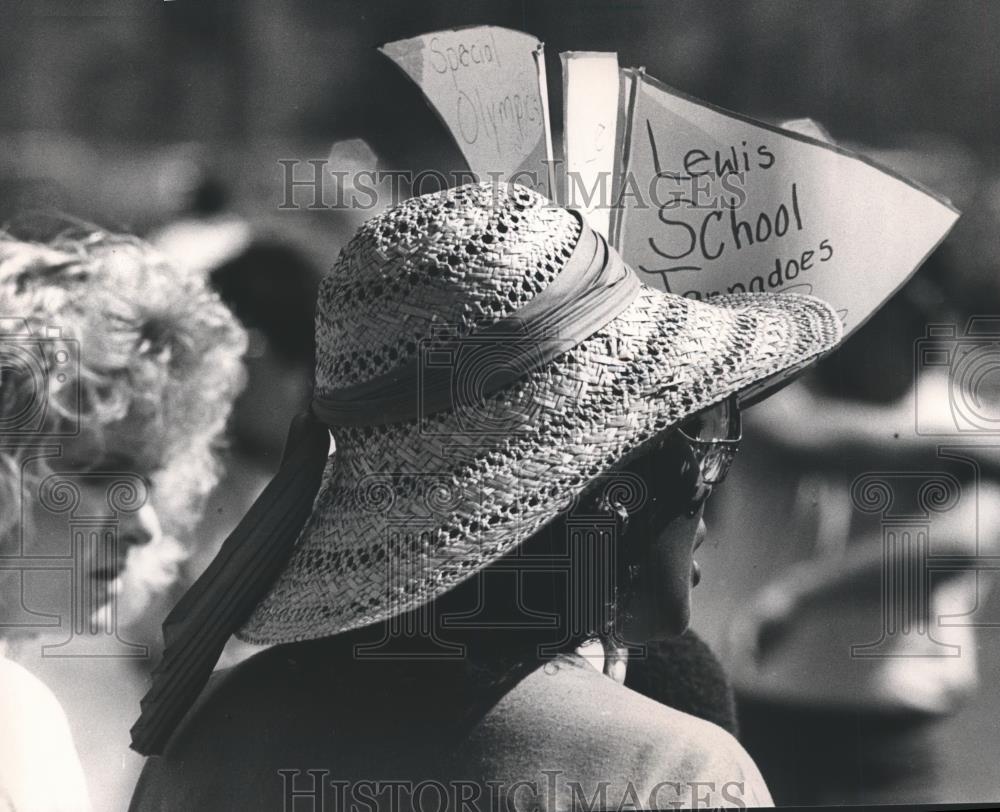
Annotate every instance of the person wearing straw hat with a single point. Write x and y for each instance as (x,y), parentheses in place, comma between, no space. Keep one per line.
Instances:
(524,437)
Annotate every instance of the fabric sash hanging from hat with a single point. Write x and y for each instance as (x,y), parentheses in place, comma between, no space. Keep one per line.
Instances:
(592,288)
(197,628)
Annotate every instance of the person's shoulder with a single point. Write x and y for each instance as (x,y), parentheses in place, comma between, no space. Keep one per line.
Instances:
(171,780)
(233,697)
(36,744)
(21,686)
(222,735)
(571,688)
(584,723)
(31,713)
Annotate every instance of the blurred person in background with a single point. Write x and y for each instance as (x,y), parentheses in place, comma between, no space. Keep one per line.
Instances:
(117,375)
(271,287)
(789,643)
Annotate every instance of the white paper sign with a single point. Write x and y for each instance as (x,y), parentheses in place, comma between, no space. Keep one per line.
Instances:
(714,202)
(808,127)
(488,86)
(590,120)
(627,82)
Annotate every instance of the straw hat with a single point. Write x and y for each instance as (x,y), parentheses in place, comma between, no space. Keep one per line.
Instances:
(409,508)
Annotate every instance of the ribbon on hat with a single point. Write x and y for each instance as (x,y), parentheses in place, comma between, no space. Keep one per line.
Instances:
(591,289)
(197,628)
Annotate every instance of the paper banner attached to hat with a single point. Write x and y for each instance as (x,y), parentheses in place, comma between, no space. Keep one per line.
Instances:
(714,202)
(590,122)
(488,86)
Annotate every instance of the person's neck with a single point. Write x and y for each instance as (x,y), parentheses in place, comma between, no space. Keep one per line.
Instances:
(610,660)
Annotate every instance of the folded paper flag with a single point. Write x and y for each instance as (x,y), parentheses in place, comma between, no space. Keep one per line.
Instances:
(712,202)
(590,120)
(487,84)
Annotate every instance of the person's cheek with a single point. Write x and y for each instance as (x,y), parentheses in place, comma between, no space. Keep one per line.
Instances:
(673,558)
(674,594)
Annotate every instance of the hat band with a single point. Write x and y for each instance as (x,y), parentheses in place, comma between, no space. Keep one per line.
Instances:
(591,289)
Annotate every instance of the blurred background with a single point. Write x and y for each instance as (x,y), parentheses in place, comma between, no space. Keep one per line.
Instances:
(168,118)
(105,105)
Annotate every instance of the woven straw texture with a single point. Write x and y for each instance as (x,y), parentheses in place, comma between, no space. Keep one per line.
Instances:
(408,510)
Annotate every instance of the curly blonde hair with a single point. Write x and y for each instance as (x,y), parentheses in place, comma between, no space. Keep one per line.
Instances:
(158,352)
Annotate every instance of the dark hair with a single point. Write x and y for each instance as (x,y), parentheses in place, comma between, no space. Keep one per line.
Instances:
(566,583)
(272,288)
(208,198)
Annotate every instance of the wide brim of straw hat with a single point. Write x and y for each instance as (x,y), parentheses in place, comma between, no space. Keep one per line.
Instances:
(407,511)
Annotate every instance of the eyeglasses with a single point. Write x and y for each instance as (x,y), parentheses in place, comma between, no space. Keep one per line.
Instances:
(685,464)
(713,436)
